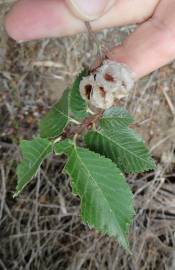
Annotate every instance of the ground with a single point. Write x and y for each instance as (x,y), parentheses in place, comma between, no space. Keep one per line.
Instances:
(42,228)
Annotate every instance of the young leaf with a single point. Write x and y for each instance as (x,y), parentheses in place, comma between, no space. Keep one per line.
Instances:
(33,152)
(117,116)
(56,120)
(122,145)
(106,200)
(77,105)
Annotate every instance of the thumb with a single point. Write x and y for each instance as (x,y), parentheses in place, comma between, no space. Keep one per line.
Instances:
(88,10)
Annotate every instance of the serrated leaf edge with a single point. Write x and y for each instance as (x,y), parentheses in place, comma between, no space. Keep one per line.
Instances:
(45,150)
(100,132)
(126,245)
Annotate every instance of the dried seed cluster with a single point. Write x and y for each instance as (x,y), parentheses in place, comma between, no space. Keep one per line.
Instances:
(107,83)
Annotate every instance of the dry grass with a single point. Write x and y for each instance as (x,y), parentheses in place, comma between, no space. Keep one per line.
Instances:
(42,228)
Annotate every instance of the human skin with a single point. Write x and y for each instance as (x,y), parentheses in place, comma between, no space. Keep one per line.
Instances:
(151,46)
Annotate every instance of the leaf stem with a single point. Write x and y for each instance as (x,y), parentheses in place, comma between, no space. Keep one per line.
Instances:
(75,138)
(57,140)
(74,121)
(89,111)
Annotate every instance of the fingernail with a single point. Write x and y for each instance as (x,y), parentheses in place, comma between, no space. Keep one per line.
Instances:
(88,9)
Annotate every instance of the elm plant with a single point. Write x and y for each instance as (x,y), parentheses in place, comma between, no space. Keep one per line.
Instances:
(100,147)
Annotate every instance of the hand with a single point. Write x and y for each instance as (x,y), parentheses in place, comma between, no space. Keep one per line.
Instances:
(151,46)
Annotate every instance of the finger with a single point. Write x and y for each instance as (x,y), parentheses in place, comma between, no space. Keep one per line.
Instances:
(35,19)
(152,45)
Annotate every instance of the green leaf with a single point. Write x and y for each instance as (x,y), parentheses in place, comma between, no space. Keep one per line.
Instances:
(33,152)
(122,145)
(78,105)
(117,116)
(106,200)
(56,119)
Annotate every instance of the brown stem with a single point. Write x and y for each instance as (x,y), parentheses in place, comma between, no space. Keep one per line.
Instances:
(87,124)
